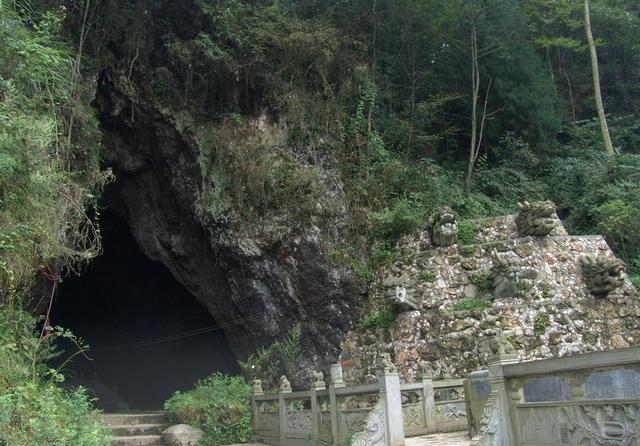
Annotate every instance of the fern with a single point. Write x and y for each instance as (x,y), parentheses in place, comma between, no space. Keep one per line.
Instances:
(268,363)
(290,347)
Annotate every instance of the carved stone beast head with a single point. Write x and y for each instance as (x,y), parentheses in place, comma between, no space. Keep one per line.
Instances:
(444,227)
(536,218)
(602,275)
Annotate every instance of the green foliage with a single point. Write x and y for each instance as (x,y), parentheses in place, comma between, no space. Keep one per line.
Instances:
(383,319)
(467,232)
(484,281)
(219,405)
(541,323)
(348,255)
(468,250)
(245,175)
(428,276)
(401,218)
(280,357)
(634,271)
(261,51)
(34,410)
(49,176)
(471,304)
(524,287)
(49,170)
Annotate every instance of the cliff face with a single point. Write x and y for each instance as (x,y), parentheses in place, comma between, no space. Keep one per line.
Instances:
(259,278)
(547,312)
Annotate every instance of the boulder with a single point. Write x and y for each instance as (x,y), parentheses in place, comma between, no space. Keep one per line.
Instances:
(182,435)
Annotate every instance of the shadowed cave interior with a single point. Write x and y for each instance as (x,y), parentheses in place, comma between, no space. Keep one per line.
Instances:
(121,298)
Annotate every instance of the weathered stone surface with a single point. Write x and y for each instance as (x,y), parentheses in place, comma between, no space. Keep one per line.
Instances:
(181,435)
(444,227)
(602,274)
(537,218)
(549,313)
(270,275)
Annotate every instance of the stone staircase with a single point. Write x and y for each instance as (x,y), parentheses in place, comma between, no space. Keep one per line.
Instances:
(136,429)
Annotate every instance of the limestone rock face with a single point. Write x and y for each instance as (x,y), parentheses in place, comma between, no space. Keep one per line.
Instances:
(264,278)
(181,435)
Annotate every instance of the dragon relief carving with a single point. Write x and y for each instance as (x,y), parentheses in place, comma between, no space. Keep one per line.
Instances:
(491,429)
(444,227)
(602,275)
(373,432)
(413,417)
(537,218)
(606,425)
(299,421)
(451,412)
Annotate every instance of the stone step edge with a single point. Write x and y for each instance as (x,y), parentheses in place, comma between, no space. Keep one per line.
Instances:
(137,440)
(139,427)
(106,417)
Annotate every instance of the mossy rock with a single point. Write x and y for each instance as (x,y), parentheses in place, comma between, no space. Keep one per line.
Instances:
(467,250)
(469,265)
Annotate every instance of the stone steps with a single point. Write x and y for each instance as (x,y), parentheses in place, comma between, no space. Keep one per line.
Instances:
(136,429)
(137,440)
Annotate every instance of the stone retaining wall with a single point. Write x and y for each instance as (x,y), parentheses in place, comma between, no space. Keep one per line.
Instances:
(548,311)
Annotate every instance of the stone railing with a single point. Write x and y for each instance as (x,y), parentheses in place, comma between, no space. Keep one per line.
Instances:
(381,413)
(433,406)
(589,399)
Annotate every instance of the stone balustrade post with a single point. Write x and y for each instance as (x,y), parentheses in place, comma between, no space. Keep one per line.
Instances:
(282,407)
(429,403)
(315,408)
(391,396)
(503,397)
(257,391)
(335,382)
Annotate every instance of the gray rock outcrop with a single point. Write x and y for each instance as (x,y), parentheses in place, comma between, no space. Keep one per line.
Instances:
(181,435)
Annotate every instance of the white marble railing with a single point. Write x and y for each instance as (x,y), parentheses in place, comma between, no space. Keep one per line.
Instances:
(590,399)
(381,413)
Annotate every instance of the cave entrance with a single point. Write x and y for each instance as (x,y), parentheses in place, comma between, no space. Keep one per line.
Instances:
(125,298)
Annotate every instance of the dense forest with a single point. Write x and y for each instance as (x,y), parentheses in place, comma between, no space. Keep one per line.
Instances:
(475,104)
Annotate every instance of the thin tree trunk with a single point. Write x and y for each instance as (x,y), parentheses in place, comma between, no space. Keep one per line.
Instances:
(553,77)
(566,76)
(475,88)
(596,81)
(413,97)
(373,70)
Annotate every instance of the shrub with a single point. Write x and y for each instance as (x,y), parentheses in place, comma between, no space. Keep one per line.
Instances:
(484,281)
(381,319)
(541,324)
(219,405)
(467,232)
(428,276)
(392,222)
(268,363)
(49,141)
(34,410)
(41,413)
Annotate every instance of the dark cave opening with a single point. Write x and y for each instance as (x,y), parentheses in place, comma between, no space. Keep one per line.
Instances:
(122,298)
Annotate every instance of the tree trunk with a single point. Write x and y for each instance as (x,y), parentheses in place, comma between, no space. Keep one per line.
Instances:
(596,81)
(373,70)
(475,91)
